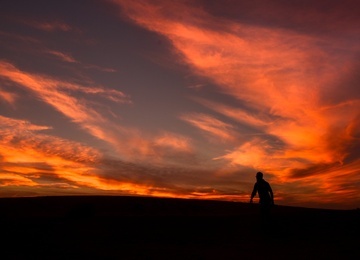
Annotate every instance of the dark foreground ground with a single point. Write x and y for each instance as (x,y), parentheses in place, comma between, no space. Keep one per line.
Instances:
(153,228)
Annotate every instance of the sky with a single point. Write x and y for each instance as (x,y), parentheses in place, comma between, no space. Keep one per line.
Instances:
(182,99)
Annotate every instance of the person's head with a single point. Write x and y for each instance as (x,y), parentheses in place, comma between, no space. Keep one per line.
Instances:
(259,176)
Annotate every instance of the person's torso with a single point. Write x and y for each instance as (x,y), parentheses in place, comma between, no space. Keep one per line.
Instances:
(263,190)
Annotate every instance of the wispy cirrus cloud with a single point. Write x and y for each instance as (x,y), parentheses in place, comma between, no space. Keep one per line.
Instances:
(26,153)
(50,26)
(62,56)
(43,164)
(7,96)
(30,157)
(10,179)
(288,76)
(275,86)
(78,103)
(211,125)
(173,141)
(17,37)
(68,58)
(242,115)
(56,93)
(47,25)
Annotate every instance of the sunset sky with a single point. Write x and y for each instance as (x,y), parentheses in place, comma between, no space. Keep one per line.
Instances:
(183,98)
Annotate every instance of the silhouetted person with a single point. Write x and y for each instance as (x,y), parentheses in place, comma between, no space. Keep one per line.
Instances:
(266,196)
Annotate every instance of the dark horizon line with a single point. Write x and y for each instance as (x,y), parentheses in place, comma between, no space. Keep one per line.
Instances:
(170,198)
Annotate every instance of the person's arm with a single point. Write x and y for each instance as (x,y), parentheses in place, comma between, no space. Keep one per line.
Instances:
(253,193)
(271,194)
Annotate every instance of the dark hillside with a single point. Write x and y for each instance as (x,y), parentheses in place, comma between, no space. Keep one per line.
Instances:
(153,228)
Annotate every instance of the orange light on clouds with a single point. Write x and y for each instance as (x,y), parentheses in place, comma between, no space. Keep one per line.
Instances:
(283,74)
(174,141)
(8,97)
(190,104)
(26,156)
(211,125)
(8,179)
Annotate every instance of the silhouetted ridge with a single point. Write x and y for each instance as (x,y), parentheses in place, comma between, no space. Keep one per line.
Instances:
(113,227)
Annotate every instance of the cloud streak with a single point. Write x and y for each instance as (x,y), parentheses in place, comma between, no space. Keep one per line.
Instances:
(56,94)
(49,26)
(62,56)
(237,88)
(211,125)
(44,164)
(30,157)
(283,74)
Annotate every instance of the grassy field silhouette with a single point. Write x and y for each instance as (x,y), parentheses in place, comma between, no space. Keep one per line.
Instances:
(111,227)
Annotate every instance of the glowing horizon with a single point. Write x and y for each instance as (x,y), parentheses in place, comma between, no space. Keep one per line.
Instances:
(179,99)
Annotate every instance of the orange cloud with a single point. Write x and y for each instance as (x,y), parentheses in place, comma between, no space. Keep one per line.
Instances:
(130,143)
(26,154)
(57,94)
(44,164)
(298,115)
(284,76)
(29,157)
(9,179)
(173,141)
(8,96)
(211,125)
(238,114)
